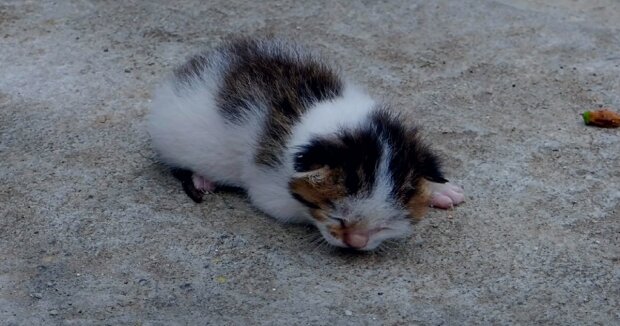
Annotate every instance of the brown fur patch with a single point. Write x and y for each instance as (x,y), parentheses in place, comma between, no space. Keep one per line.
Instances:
(419,202)
(318,189)
(336,231)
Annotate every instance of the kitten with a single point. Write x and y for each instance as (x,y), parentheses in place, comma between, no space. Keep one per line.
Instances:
(305,143)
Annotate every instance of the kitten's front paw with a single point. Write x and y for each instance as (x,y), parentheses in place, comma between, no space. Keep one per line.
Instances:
(446,195)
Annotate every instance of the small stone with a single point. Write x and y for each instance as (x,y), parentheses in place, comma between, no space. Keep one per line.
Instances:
(53,312)
(348,312)
(37,295)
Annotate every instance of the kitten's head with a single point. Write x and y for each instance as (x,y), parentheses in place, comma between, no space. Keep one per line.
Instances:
(366,185)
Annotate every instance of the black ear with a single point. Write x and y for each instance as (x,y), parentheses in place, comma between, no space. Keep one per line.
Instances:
(431,166)
(317,154)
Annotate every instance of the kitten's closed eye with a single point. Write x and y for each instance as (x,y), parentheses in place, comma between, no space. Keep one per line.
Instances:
(339,220)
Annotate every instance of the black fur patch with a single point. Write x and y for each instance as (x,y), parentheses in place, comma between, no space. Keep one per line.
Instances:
(279,78)
(358,153)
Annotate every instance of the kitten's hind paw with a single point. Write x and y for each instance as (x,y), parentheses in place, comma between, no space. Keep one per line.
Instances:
(194,185)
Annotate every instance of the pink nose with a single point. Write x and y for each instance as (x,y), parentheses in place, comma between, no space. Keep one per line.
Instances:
(356,240)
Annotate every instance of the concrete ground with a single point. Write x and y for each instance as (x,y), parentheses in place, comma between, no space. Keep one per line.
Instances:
(93,231)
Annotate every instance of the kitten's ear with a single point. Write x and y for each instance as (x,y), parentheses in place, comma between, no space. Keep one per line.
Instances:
(316,188)
(430,165)
(313,178)
(426,163)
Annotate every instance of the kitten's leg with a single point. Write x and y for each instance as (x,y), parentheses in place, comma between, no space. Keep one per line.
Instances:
(194,185)
(445,195)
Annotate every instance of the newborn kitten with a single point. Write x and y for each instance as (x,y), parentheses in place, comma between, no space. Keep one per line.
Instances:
(307,145)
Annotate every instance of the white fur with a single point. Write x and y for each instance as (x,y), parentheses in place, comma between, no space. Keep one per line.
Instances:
(188,132)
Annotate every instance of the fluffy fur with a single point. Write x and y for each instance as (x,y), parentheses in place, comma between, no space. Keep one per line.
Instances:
(307,146)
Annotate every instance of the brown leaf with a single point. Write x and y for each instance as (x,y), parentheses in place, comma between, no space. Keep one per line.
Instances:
(605,118)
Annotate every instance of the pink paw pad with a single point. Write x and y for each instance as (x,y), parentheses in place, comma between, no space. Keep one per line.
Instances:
(202,184)
(446,195)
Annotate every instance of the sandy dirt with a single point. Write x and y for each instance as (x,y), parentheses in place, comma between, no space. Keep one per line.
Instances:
(93,231)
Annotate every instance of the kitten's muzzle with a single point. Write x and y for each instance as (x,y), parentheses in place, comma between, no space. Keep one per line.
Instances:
(356,240)
(359,238)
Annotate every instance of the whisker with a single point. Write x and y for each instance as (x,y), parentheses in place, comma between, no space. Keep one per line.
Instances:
(389,246)
(319,243)
(315,242)
(311,239)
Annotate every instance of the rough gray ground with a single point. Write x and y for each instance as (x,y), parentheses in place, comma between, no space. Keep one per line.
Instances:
(93,231)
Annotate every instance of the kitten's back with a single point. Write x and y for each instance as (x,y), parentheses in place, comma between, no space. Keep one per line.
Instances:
(237,105)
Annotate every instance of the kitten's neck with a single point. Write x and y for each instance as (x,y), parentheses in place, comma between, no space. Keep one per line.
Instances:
(329,117)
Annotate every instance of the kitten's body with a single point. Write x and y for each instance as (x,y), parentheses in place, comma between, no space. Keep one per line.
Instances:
(307,145)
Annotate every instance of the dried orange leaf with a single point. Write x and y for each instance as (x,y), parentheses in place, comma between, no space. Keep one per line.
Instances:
(602,118)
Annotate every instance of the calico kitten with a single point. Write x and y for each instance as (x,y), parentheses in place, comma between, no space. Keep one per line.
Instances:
(305,143)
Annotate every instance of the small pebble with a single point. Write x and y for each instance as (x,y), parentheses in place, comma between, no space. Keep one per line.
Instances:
(53,312)
(37,295)
(348,312)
